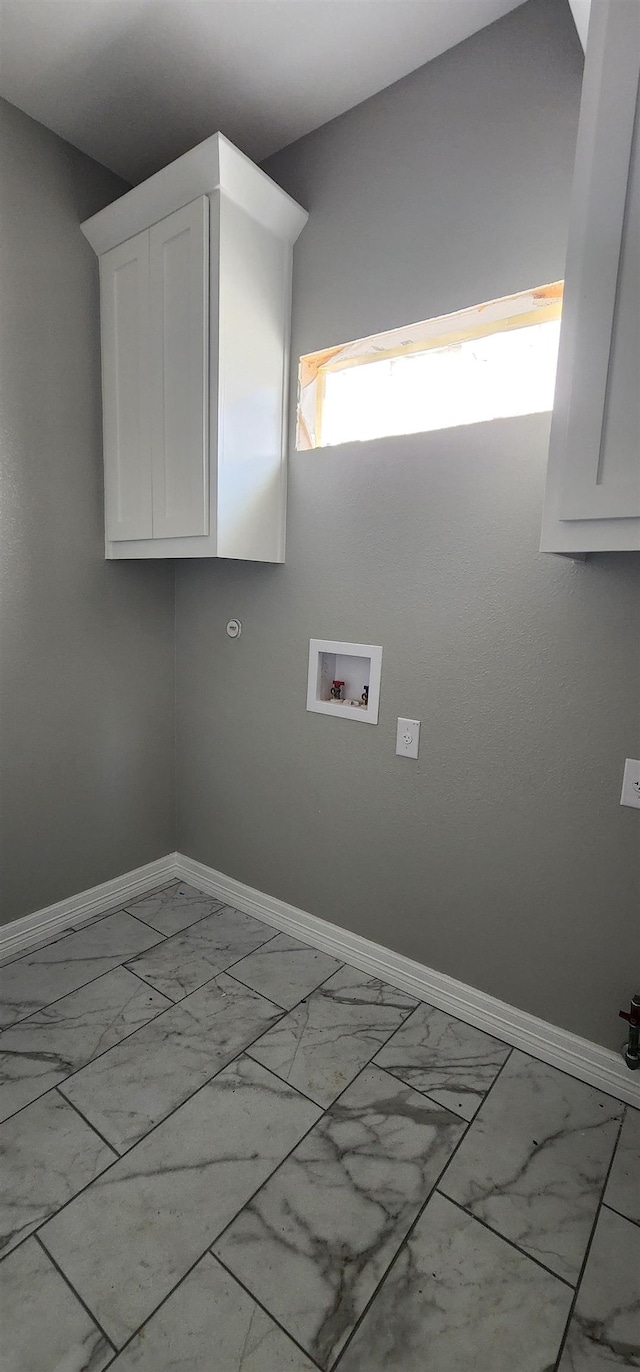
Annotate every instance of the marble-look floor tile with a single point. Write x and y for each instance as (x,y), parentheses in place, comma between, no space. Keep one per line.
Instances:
(47,1154)
(174,907)
(210,1323)
(315,1241)
(51,972)
(534,1161)
(127,1240)
(186,961)
(623,1186)
(285,970)
(323,1043)
(605,1327)
(131,1088)
(44,1327)
(81,923)
(450,1061)
(39,1052)
(459,1297)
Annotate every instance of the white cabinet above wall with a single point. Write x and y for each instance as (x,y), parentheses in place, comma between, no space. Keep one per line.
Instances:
(592,498)
(195,288)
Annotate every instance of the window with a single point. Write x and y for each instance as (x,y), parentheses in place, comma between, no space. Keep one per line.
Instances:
(487,362)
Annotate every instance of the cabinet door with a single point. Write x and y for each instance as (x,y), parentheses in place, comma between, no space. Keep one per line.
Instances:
(124,290)
(179,321)
(596,449)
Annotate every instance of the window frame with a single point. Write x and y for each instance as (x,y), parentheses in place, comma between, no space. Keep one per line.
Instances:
(537,305)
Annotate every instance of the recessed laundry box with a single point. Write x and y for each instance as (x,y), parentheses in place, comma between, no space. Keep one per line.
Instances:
(344,679)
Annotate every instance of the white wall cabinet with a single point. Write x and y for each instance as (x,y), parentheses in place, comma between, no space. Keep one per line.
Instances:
(195,282)
(592,497)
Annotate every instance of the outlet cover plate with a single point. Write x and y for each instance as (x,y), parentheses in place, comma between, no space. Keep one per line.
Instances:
(408,737)
(631,783)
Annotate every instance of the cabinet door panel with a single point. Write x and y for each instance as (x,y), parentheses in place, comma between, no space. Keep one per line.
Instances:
(598,483)
(179,274)
(124,289)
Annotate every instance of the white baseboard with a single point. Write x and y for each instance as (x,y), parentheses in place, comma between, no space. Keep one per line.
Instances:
(42,924)
(580,1058)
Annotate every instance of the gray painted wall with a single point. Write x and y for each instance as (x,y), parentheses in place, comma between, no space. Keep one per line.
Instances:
(86,647)
(502,857)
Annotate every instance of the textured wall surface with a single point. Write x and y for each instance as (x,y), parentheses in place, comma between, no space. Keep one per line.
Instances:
(86,647)
(502,857)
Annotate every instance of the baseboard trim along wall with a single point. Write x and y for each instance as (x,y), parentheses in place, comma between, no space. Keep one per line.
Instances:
(42,924)
(589,1062)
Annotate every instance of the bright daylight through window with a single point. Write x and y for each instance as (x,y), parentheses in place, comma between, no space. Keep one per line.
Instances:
(486,362)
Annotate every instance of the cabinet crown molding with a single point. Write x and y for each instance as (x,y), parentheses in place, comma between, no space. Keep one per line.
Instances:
(213,165)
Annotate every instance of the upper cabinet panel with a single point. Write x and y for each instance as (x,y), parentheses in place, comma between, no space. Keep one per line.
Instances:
(124,286)
(195,292)
(179,316)
(592,499)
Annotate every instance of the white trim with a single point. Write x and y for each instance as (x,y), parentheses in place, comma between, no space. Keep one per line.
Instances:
(579,1057)
(213,165)
(590,1062)
(21,933)
(372,651)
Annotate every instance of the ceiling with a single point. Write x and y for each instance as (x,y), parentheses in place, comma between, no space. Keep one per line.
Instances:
(135,83)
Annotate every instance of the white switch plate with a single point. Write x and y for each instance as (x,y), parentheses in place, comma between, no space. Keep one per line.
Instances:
(408,737)
(631,783)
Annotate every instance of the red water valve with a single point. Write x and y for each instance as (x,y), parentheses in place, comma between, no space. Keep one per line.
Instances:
(632,1016)
(631,1050)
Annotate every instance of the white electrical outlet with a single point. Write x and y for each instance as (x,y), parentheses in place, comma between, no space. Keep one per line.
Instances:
(631,783)
(408,737)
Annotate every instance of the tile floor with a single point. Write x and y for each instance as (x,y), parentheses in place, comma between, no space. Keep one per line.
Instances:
(224,1151)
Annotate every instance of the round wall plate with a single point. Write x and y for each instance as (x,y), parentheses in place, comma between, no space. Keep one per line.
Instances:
(234,628)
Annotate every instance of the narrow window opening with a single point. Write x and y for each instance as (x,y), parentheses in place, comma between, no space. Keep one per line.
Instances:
(488,362)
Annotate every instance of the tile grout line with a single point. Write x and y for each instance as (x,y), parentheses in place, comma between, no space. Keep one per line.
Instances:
(619,1213)
(32,1013)
(120,909)
(91,1126)
(67,1077)
(172,1004)
(94,1321)
(119,1156)
(412,1226)
(218,906)
(324,1110)
(244,1051)
(285,1010)
(207,1249)
(184,929)
(524,1253)
(301,1000)
(150,987)
(587,1251)
(369,1061)
(158,1307)
(38,947)
(309,1356)
(213,976)
(394,1076)
(282,1008)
